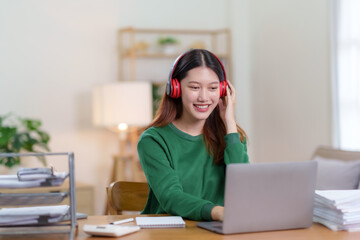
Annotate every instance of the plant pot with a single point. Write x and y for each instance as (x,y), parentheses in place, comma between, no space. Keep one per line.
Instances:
(168,49)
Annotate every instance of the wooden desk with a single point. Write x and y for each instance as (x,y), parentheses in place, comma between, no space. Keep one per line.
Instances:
(316,232)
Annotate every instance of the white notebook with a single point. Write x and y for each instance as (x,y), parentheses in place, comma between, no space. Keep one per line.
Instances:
(160,222)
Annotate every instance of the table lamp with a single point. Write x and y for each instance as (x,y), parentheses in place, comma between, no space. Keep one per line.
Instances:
(123,107)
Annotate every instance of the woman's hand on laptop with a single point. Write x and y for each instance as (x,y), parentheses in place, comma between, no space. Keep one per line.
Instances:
(217,213)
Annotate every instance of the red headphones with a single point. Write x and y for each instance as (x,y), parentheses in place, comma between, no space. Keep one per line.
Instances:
(173,89)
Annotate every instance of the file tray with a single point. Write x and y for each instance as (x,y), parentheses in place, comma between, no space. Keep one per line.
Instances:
(17,199)
(12,181)
(42,224)
(33,215)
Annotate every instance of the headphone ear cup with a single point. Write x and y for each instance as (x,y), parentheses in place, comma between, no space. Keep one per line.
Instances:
(175,88)
(223,86)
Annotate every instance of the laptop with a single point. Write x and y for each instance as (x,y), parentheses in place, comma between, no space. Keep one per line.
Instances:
(267,197)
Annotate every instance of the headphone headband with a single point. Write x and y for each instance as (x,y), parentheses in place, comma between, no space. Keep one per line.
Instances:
(173,85)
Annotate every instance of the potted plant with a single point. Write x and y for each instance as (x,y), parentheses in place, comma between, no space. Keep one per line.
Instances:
(19,134)
(167,43)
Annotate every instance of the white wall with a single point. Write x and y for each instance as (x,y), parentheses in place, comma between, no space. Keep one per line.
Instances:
(239,23)
(290,78)
(52,53)
(199,14)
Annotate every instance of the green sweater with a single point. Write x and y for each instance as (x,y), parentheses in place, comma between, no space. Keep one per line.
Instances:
(182,178)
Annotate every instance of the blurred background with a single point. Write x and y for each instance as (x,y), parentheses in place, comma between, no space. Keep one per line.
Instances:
(54,53)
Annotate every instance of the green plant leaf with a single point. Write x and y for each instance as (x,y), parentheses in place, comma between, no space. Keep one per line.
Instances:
(21,135)
(28,142)
(167,40)
(12,161)
(15,144)
(45,138)
(32,124)
(6,133)
(44,146)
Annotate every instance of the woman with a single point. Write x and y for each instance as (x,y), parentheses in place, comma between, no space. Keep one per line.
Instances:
(192,138)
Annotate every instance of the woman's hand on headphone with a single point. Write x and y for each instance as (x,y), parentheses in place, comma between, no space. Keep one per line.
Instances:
(227,109)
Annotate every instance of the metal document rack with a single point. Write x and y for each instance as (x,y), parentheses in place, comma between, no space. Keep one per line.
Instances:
(43,199)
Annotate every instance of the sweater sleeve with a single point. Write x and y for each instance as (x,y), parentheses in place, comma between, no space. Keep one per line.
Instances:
(165,183)
(235,151)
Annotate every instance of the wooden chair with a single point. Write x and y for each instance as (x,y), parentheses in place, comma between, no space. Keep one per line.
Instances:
(126,196)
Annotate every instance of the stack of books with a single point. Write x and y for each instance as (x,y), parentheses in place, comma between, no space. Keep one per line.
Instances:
(338,209)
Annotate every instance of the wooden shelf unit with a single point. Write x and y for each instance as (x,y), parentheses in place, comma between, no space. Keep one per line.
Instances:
(128,51)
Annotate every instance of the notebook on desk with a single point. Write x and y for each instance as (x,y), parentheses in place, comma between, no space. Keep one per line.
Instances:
(266,197)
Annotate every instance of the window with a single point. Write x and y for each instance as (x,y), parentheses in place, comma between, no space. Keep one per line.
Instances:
(347,73)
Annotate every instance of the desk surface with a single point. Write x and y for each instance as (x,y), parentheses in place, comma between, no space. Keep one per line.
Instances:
(316,232)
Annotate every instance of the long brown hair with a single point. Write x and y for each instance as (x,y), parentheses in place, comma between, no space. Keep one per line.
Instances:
(171,109)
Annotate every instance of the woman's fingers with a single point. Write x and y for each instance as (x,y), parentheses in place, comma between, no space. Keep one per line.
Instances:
(229,117)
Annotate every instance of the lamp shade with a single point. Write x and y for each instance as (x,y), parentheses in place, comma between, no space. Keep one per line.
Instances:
(122,102)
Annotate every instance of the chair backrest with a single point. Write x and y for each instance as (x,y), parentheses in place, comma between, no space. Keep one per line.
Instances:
(126,196)
(333,153)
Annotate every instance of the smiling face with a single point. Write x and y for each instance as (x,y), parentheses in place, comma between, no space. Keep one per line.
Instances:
(200,94)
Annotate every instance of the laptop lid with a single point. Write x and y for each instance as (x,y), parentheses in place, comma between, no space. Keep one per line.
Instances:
(269,196)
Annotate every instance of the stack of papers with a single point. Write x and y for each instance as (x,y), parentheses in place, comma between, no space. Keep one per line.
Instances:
(338,209)
(12,181)
(32,215)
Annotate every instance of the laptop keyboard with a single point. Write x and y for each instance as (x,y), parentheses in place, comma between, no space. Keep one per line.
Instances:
(218,225)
